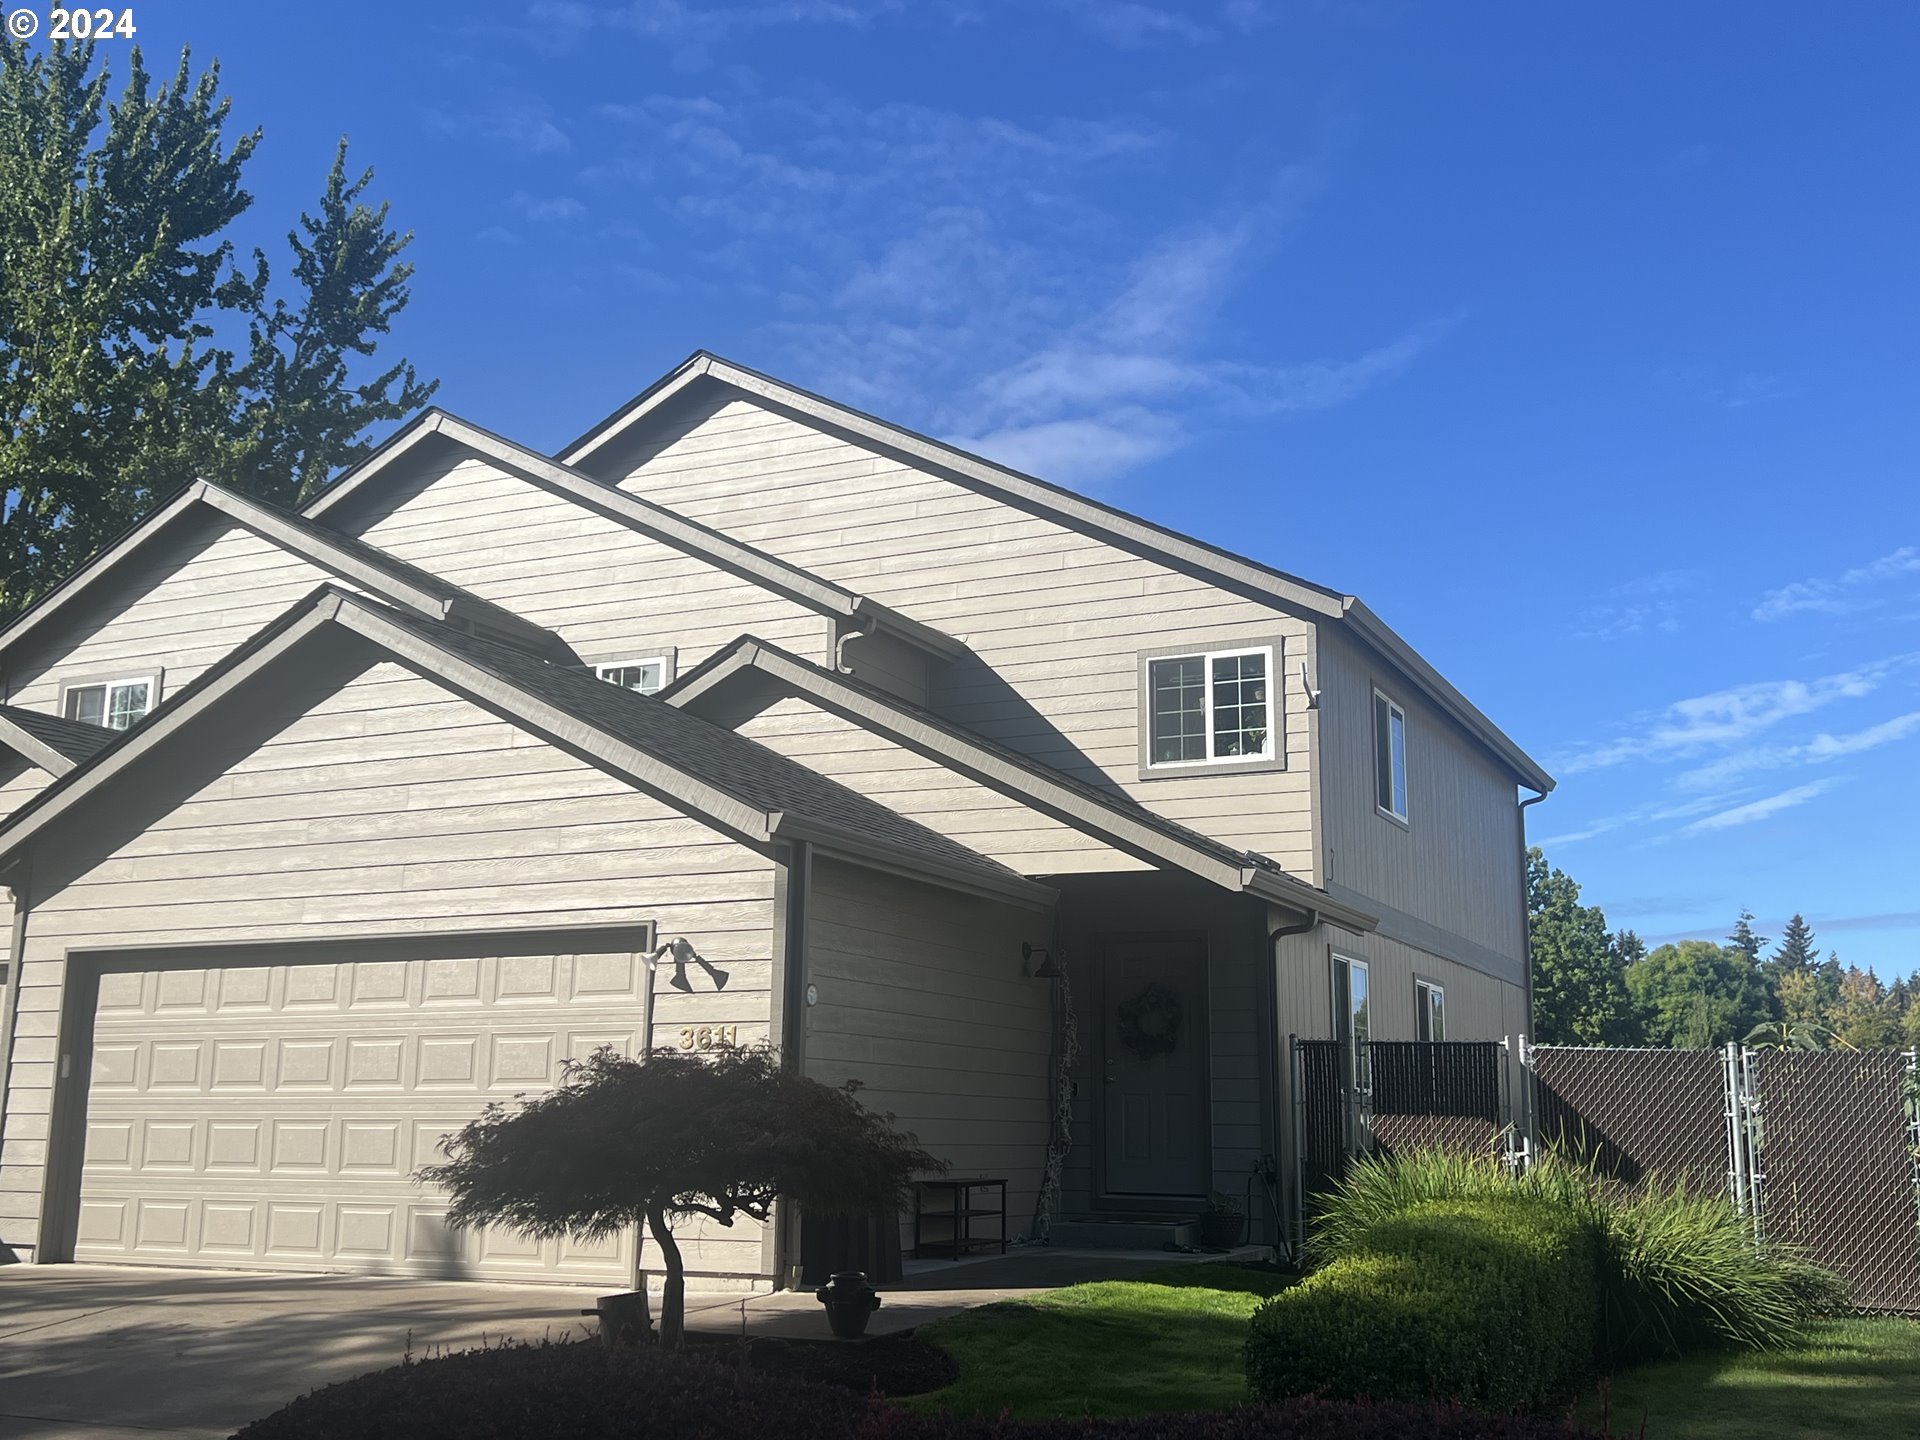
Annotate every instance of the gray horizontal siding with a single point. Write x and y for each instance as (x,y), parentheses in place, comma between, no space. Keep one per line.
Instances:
(903,781)
(1456,863)
(1055,618)
(182,607)
(921,1000)
(610,592)
(447,819)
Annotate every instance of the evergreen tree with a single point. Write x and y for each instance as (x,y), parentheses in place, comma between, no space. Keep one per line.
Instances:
(115,283)
(1863,1019)
(1579,995)
(1744,940)
(1797,950)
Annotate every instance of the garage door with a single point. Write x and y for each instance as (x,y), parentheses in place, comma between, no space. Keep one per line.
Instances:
(270,1117)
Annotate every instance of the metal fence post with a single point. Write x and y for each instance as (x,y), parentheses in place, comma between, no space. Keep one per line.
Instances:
(1911,1097)
(1295,1069)
(1753,1132)
(1736,1127)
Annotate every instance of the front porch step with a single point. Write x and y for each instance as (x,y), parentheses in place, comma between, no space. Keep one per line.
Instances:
(1124,1232)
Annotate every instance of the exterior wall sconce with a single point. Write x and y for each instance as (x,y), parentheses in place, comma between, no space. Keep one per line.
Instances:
(683,951)
(1045,970)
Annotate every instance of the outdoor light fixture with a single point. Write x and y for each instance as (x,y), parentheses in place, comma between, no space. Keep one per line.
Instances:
(683,951)
(1045,970)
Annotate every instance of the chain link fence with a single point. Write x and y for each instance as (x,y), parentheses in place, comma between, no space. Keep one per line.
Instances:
(1820,1149)
(1834,1166)
(1633,1113)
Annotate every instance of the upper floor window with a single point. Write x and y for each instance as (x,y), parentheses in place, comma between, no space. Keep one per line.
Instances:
(1389,757)
(116,704)
(1430,1001)
(1210,706)
(646,675)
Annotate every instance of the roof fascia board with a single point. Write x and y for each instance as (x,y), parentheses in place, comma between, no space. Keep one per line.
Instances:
(831,840)
(487,689)
(1284,889)
(142,738)
(276,529)
(77,583)
(315,545)
(1382,638)
(1265,582)
(33,749)
(1031,788)
(663,525)
(655,395)
(422,427)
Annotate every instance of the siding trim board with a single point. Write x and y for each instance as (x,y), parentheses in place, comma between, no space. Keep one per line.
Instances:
(1129,532)
(1411,930)
(351,560)
(460,664)
(688,536)
(1133,830)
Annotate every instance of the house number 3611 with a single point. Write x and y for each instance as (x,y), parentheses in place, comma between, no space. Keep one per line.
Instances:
(708,1037)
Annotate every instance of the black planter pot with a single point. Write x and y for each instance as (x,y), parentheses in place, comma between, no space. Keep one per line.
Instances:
(850,1303)
(1221,1231)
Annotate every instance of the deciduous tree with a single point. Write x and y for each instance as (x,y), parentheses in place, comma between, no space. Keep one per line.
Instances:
(1579,996)
(117,298)
(1696,993)
(622,1143)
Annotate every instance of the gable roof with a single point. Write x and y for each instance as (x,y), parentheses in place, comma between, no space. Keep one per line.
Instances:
(49,742)
(734,784)
(1130,532)
(1121,822)
(437,427)
(345,556)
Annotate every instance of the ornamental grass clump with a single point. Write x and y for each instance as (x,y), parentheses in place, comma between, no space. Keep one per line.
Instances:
(1682,1271)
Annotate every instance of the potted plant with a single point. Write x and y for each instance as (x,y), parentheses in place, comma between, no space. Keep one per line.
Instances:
(1223,1222)
(850,1303)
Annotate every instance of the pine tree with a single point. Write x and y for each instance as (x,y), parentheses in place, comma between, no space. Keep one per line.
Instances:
(1744,940)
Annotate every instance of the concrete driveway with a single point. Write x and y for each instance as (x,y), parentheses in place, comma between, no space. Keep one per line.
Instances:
(88,1351)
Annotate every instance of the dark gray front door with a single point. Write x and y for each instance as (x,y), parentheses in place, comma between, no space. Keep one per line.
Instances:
(1153,1054)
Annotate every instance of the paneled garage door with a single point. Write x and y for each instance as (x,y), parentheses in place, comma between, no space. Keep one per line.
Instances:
(269,1117)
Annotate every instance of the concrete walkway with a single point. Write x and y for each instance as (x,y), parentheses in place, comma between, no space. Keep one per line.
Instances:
(88,1351)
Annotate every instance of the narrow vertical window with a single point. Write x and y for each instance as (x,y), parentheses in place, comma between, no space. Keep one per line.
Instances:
(1389,756)
(1432,1008)
(1214,706)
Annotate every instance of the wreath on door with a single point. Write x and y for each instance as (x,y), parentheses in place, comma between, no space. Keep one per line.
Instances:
(1150,1021)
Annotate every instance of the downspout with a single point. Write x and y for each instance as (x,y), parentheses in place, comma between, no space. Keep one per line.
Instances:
(793,1022)
(1517,1074)
(1282,1112)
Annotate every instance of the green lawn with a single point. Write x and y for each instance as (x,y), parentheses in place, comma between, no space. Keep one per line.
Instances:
(1858,1379)
(1169,1340)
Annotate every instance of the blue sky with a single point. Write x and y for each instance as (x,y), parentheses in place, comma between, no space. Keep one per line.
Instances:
(1580,341)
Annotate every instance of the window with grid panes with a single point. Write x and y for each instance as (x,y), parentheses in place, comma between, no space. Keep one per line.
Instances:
(1215,705)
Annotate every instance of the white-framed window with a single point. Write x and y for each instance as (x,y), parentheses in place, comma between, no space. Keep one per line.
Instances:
(1211,707)
(1389,756)
(1352,1027)
(115,704)
(1430,1003)
(646,675)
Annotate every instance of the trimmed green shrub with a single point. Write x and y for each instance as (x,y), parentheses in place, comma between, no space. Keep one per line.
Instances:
(1492,1302)
(1682,1271)
(1379,1187)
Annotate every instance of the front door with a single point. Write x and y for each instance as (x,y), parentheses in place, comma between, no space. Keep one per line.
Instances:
(1153,1059)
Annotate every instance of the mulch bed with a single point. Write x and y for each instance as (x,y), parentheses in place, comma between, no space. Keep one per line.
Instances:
(895,1365)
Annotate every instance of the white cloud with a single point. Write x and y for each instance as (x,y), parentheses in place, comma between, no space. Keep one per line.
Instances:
(1728,717)
(1650,602)
(1082,451)
(1838,595)
(1755,810)
(526,126)
(1820,749)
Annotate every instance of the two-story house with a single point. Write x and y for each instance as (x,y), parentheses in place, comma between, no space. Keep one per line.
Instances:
(322,830)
